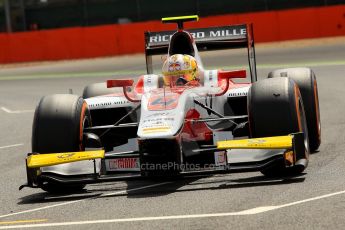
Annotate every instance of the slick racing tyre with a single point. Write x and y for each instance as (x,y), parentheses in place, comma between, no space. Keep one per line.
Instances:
(58,126)
(306,81)
(275,108)
(98,89)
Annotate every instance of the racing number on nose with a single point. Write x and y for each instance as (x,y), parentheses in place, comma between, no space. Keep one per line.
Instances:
(163,101)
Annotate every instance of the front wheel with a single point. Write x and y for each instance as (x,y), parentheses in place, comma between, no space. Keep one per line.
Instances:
(275,108)
(58,126)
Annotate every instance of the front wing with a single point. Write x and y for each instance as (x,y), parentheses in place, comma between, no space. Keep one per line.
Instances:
(287,148)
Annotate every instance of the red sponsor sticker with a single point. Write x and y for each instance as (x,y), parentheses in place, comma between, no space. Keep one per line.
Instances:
(124,164)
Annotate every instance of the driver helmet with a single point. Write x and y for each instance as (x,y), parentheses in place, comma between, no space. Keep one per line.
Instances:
(180,69)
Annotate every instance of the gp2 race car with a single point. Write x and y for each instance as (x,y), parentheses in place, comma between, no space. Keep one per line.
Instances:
(121,130)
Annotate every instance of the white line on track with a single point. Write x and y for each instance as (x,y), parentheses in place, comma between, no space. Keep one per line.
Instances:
(80,200)
(253,211)
(11,146)
(15,111)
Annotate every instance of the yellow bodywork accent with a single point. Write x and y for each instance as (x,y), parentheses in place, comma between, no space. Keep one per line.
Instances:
(43,160)
(280,142)
(156,129)
(181,18)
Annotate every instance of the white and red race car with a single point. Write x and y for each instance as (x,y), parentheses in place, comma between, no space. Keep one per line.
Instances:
(124,129)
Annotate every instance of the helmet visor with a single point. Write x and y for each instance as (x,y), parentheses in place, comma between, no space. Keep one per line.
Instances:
(178,79)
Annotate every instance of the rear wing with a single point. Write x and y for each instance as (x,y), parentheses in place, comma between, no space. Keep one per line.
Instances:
(206,39)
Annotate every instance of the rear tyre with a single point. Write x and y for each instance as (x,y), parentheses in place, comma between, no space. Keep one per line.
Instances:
(98,89)
(275,108)
(306,81)
(58,127)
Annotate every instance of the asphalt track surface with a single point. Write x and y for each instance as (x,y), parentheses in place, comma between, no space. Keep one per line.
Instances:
(314,200)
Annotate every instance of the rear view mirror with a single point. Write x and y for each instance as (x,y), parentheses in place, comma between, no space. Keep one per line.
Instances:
(124,83)
(228,74)
(119,83)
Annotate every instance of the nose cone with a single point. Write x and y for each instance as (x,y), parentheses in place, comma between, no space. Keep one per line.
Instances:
(160,124)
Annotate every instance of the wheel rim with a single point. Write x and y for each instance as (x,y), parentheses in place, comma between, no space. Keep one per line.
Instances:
(316,96)
(304,128)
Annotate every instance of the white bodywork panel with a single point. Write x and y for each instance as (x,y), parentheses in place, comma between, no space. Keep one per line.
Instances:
(108,102)
(75,168)
(151,82)
(238,92)
(168,122)
(251,155)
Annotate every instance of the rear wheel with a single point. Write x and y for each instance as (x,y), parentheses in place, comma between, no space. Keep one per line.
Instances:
(98,89)
(275,108)
(58,127)
(306,81)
